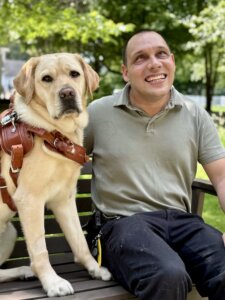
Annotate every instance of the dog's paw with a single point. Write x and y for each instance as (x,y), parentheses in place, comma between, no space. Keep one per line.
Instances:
(101,273)
(60,287)
(26,273)
(105,274)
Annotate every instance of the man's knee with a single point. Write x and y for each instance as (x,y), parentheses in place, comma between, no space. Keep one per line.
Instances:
(214,288)
(169,282)
(173,274)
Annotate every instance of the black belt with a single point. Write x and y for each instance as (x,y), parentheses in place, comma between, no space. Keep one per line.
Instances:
(107,218)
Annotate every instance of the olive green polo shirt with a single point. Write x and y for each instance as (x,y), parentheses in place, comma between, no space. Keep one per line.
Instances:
(143,163)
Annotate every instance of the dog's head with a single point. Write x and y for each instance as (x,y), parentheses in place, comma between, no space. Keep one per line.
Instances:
(60,82)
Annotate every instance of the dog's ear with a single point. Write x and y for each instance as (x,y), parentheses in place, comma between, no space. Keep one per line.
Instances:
(91,77)
(24,81)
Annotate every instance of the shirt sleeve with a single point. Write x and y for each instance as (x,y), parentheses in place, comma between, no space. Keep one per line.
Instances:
(210,145)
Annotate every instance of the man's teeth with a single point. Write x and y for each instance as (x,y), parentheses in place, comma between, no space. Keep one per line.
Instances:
(157,77)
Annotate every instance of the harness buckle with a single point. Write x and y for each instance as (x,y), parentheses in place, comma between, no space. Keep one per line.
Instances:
(14,170)
(3,187)
(11,118)
(56,140)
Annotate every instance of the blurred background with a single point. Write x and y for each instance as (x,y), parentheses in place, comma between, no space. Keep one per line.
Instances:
(97,29)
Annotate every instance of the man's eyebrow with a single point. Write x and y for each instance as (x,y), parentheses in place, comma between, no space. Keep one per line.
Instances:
(154,48)
(163,48)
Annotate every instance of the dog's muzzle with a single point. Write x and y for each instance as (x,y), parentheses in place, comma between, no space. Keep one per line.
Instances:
(67,96)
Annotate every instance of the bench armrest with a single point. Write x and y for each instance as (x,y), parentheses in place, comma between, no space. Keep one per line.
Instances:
(199,188)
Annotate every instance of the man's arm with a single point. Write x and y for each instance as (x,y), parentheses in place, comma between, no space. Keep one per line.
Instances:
(216,173)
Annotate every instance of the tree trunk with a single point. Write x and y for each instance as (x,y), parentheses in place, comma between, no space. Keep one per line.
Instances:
(209,96)
(209,78)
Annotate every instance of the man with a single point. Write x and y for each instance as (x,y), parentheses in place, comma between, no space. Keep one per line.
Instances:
(146,141)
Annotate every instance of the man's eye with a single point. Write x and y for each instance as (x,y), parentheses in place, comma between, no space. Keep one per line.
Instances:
(163,54)
(47,78)
(74,74)
(139,59)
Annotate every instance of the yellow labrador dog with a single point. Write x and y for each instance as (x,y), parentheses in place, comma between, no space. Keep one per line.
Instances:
(51,92)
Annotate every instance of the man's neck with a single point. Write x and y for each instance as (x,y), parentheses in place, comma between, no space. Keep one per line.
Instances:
(149,106)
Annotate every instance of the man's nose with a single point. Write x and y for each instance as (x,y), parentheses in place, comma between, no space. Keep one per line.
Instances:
(154,62)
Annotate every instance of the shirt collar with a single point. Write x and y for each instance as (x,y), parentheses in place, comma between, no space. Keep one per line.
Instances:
(123,96)
(176,98)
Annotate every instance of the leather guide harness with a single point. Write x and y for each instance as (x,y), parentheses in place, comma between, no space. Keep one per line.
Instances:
(17,139)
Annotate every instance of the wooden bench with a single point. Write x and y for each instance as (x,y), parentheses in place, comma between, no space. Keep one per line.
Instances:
(62,259)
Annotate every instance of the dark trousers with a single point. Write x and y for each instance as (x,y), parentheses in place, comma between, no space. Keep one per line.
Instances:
(158,255)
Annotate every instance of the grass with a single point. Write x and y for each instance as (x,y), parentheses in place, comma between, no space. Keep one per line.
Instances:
(217,108)
(212,212)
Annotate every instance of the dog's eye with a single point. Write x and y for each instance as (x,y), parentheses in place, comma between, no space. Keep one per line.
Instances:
(74,74)
(47,78)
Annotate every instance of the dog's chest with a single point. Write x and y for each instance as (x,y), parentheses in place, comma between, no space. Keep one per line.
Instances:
(43,165)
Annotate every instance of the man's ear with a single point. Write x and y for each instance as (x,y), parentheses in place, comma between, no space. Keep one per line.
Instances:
(173,58)
(124,72)
(91,77)
(24,81)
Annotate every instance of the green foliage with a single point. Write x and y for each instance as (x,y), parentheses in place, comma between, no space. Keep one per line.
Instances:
(208,43)
(212,213)
(43,26)
(98,29)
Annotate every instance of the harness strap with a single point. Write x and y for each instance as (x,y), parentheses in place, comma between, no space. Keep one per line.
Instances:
(16,139)
(6,198)
(57,142)
(17,154)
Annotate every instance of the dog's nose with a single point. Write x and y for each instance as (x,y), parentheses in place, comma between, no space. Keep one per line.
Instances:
(66,93)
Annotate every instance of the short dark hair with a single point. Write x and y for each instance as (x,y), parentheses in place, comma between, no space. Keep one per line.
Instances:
(124,50)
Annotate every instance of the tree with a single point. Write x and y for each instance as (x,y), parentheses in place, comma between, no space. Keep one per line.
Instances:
(159,15)
(55,26)
(208,43)
(166,17)
(43,26)
(98,29)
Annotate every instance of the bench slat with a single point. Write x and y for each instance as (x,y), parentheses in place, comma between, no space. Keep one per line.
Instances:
(94,289)
(51,225)
(84,186)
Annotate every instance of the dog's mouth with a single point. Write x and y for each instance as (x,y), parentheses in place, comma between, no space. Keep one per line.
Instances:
(68,109)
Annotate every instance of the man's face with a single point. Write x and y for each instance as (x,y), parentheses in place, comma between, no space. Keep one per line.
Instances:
(150,67)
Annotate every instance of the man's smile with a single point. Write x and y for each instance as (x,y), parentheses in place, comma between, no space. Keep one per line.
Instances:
(155,78)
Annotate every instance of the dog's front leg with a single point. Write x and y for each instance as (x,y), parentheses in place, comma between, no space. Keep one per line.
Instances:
(67,216)
(31,213)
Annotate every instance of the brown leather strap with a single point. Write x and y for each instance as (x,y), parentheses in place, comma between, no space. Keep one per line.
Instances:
(17,140)
(15,135)
(17,154)
(6,198)
(79,154)
(59,143)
